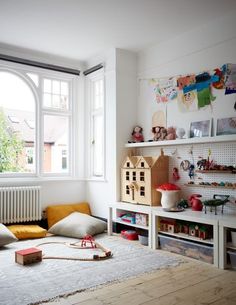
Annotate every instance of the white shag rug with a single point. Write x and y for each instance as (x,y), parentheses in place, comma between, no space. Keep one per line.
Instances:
(31,284)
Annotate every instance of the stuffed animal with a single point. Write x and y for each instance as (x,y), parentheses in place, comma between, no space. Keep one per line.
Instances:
(171,133)
(159,133)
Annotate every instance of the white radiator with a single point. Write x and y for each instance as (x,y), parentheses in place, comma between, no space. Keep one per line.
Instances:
(19,204)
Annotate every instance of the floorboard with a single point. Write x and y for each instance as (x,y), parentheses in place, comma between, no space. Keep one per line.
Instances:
(191,283)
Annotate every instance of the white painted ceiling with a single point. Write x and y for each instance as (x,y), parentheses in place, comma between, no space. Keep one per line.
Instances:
(80,29)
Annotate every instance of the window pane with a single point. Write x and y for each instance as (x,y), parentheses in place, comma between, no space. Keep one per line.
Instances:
(98,94)
(47,86)
(58,99)
(64,88)
(17,138)
(98,146)
(56,87)
(47,100)
(56,131)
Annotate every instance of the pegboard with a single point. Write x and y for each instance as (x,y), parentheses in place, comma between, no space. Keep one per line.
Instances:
(221,153)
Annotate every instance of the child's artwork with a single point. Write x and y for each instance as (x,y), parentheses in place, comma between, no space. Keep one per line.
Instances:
(187,101)
(165,90)
(203,86)
(230,78)
(220,84)
(185,81)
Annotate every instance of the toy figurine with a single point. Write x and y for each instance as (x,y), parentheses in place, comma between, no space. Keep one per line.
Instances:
(137,135)
(191,171)
(175,174)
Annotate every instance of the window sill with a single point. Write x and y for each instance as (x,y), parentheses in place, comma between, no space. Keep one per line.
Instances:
(20,180)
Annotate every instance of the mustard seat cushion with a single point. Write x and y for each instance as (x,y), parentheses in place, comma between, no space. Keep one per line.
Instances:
(27,231)
(58,212)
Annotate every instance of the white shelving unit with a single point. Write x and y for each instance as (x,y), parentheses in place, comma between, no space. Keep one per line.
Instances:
(129,207)
(216,139)
(187,215)
(225,222)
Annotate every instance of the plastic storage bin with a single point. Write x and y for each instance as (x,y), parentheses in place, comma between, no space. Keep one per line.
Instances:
(187,248)
(232,256)
(143,240)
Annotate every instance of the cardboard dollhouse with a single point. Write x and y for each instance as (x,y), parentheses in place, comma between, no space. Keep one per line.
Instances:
(140,176)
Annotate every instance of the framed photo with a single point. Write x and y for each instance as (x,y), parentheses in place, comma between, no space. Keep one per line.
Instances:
(226,126)
(200,129)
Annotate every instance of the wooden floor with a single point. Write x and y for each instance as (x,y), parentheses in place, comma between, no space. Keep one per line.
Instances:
(191,283)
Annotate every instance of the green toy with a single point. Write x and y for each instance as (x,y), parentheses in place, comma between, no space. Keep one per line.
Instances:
(218,200)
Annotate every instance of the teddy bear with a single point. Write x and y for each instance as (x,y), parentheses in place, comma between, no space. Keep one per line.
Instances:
(171,133)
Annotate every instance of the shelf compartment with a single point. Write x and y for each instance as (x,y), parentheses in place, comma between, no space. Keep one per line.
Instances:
(191,249)
(188,237)
(131,224)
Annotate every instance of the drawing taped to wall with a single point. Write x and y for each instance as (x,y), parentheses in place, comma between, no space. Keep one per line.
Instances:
(226,126)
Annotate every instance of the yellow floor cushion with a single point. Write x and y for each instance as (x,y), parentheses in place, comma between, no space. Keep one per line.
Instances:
(27,231)
(58,212)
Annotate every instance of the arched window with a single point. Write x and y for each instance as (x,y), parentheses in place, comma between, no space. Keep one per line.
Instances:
(17,125)
(36,122)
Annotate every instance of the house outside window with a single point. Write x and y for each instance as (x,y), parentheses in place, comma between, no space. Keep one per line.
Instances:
(36,122)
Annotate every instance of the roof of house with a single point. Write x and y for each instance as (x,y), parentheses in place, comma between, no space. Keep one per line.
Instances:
(23,122)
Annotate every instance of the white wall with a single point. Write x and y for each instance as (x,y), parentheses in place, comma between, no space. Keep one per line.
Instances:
(120,112)
(205,48)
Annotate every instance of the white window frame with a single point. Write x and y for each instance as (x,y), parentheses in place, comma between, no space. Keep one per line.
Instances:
(21,71)
(90,80)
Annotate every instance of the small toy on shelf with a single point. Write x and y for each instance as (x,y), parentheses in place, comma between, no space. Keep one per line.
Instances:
(137,135)
(183,204)
(191,171)
(175,174)
(218,200)
(171,133)
(159,133)
(196,202)
(180,132)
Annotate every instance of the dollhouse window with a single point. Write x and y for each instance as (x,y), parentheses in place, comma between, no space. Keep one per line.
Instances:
(142,191)
(142,174)
(128,164)
(142,164)
(134,176)
(127,190)
(127,176)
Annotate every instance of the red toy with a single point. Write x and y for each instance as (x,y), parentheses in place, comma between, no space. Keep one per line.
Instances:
(88,239)
(176,174)
(129,234)
(195,202)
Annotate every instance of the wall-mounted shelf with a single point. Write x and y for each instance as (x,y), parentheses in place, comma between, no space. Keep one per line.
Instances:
(216,139)
(211,186)
(205,171)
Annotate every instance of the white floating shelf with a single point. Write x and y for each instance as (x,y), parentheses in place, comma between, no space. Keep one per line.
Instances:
(216,139)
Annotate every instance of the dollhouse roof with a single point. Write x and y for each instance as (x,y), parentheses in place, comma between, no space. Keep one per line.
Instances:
(132,159)
(149,162)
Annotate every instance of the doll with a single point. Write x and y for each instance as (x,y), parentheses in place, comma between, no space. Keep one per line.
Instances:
(137,135)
